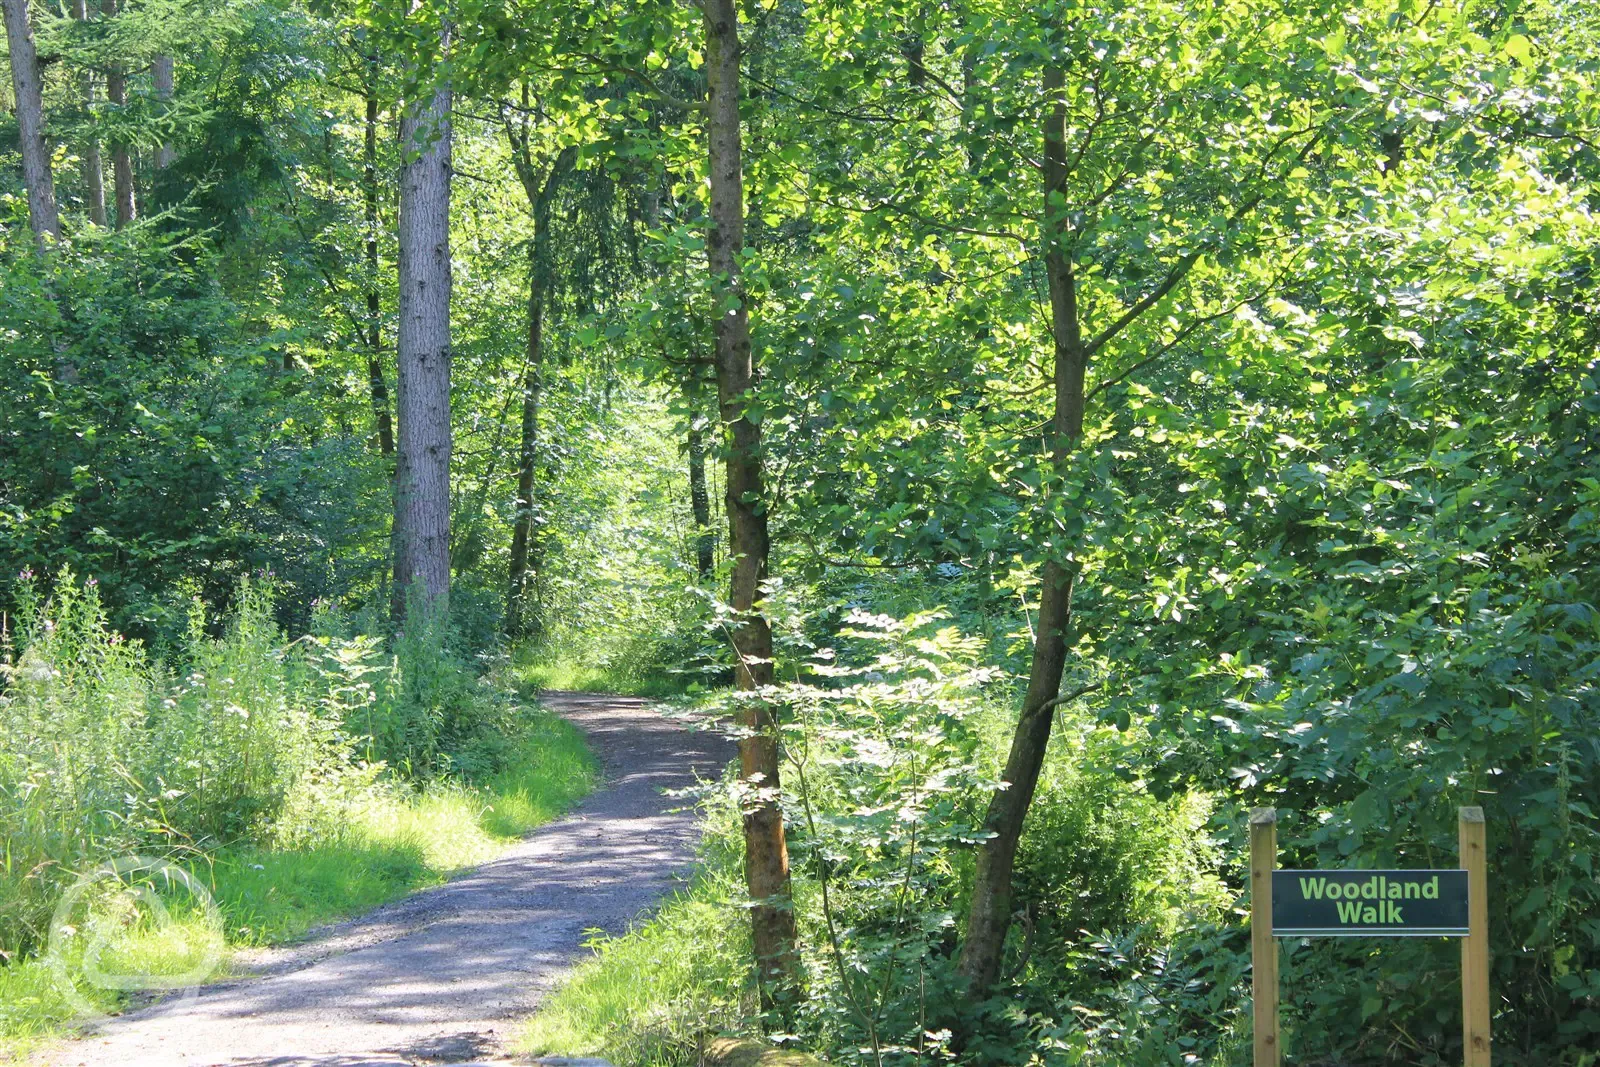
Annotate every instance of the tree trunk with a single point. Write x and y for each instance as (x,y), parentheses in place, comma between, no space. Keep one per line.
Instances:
(161,76)
(422,477)
(989,917)
(766,853)
(699,498)
(94,180)
(521,620)
(540,185)
(30,123)
(369,187)
(121,159)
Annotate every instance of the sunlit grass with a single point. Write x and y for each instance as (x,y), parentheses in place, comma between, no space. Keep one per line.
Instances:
(393,842)
(32,1007)
(646,999)
(166,951)
(118,937)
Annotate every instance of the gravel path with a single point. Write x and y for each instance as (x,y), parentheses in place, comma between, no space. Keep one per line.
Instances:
(441,976)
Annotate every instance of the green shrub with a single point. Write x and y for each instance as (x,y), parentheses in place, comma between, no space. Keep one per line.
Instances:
(893,771)
(423,709)
(1101,853)
(176,450)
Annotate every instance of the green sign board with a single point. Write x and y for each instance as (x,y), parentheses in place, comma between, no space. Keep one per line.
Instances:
(1369,903)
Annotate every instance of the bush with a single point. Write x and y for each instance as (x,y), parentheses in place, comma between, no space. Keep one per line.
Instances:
(894,769)
(149,424)
(1101,855)
(423,709)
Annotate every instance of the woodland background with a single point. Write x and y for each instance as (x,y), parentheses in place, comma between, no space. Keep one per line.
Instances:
(1168,408)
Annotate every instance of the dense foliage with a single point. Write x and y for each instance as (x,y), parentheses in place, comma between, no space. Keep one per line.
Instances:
(1265,339)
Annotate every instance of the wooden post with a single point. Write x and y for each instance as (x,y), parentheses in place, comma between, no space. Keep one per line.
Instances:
(1475,946)
(1263,949)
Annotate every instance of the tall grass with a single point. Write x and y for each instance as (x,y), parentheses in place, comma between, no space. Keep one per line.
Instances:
(298,781)
(104,752)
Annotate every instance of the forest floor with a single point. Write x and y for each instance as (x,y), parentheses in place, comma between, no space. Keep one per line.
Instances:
(442,975)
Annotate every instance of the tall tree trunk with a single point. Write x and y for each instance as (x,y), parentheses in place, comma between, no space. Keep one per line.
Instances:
(766,852)
(94,179)
(378,388)
(121,159)
(989,916)
(699,497)
(521,620)
(30,123)
(540,184)
(422,477)
(161,76)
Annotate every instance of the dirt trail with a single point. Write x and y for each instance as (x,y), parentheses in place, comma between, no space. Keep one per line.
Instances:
(441,976)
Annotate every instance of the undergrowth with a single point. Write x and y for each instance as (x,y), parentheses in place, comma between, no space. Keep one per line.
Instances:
(294,782)
(892,743)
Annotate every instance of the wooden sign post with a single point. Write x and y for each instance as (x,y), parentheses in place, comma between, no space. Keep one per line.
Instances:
(1367,903)
(1475,946)
(1263,949)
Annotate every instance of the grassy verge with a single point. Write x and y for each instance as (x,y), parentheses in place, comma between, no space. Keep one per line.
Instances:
(403,840)
(648,998)
(390,843)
